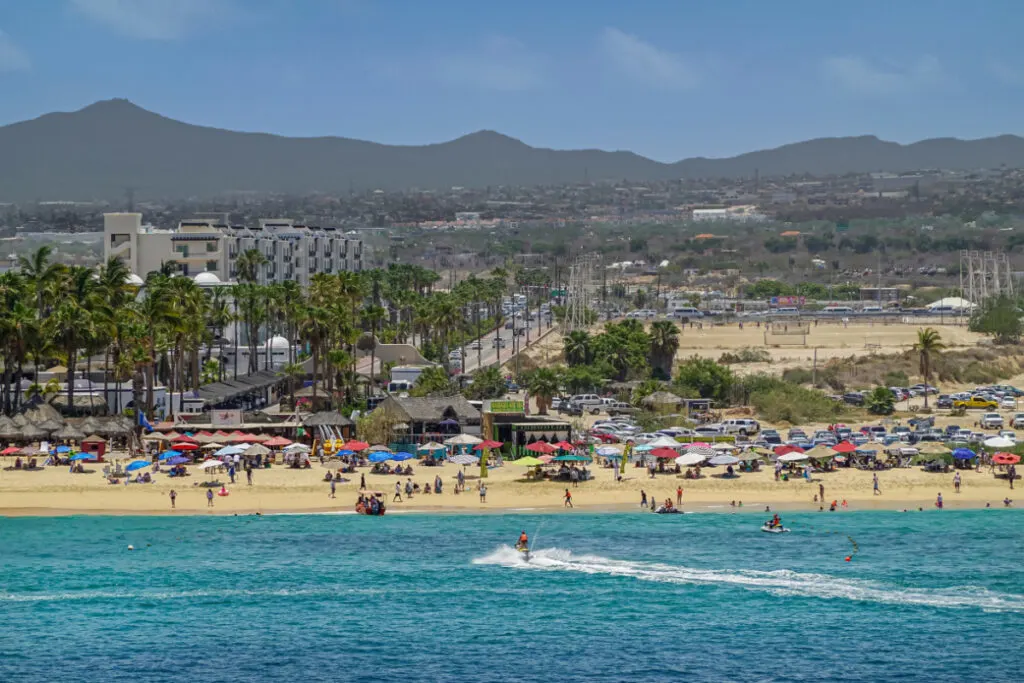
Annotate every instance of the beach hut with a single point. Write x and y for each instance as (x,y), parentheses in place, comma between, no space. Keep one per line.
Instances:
(68,433)
(90,425)
(31,432)
(94,445)
(51,425)
(8,429)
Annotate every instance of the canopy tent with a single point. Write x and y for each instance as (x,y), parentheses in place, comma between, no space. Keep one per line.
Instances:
(786,448)
(185,438)
(844,447)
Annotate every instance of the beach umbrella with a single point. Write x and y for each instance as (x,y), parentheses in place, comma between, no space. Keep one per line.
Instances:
(720,460)
(963,454)
(256,449)
(432,447)
(463,440)
(844,447)
(297,447)
(664,442)
(378,447)
(546,458)
(277,442)
(932,448)
(999,442)
(10,450)
(210,464)
(706,451)
(662,453)
(379,456)
(401,456)
(167,455)
(464,459)
(541,447)
(723,447)
(609,452)
(572,457)
(213,446)
(564,445)
(688,459)
(258,438)
(643,448)
(820,452)
(80,456)
(185,446)
(177,460)
(786,449)
(1005,459)
(136,465)
(345,452)
(750,455)
(487,444)
(185,438)
(355,446)
(231,450)
(528,461)
(63,449)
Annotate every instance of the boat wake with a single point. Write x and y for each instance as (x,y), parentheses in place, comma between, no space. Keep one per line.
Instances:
(782,582)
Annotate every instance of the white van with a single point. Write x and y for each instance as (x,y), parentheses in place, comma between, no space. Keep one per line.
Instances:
(590,402)
(679,312)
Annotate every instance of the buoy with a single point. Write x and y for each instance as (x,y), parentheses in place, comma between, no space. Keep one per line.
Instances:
(848,558)
(131,547)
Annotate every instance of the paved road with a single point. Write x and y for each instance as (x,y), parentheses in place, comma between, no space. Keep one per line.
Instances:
(488,352)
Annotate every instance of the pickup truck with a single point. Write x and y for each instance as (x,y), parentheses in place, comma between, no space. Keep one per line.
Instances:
(976,402)
(991,421)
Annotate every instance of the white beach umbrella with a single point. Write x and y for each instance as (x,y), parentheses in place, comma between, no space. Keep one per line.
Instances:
(292,448)
(432,446)
(463,440)
(688,459)
(723,447)
(664,442)
(210,464)
(705,451)
(793,457)
(999,442)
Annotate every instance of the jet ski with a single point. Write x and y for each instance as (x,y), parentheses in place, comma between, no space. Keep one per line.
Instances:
(769,529)
(525,550)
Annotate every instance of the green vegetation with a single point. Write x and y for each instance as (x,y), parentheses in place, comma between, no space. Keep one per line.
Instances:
(747,354)
(706,378)
(1000,318)
(879,401)
(929,344)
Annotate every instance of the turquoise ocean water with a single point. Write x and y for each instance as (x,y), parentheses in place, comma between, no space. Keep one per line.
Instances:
(933,596)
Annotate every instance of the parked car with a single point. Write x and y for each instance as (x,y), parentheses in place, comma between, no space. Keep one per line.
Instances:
(570,408)
(1008,403)
(590,402)
(1018,421)
(796,434)
(709,430)
(742,426)
(991,421)
(853,398)
(944,401)
(620,408)
(771,436)
(676,431)
(976,402)
(1009,434)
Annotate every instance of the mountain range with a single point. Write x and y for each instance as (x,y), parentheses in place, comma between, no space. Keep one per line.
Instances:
(98,151)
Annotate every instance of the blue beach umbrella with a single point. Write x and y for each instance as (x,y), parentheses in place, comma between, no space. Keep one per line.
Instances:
(167,455)
(137,465)
(380,456)
(345,453)
(80,456)
(177,460)
(964,454)
(402,455)
(63,449)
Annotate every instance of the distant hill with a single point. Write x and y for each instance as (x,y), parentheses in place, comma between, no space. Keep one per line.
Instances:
(98,151)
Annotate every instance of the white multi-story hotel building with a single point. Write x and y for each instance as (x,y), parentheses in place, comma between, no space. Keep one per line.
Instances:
(208,250)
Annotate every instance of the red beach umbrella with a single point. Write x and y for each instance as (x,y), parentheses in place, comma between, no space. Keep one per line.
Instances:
(844,447)
(664,453)
(184,446)
(488,444)
(277,442)
(564,445)
(541,447)
(782,450)
(1005,459)
(355,446)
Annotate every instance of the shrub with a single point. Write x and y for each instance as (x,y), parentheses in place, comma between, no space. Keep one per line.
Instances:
(794,404)
(896,378)
(747,354)
(797,376)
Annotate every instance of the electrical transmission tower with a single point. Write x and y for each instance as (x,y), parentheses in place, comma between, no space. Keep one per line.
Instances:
(985,275)
(581,292)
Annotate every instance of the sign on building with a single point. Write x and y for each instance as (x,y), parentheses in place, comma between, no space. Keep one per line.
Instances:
(220,419)
(503,407)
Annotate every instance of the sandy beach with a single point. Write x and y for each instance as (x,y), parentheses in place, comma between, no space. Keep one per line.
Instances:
(55,491)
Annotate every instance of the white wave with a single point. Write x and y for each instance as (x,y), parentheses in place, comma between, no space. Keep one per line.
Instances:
(781,582)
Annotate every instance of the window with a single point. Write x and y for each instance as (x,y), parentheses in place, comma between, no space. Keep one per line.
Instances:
(211,246)
(211,266)
(182,249)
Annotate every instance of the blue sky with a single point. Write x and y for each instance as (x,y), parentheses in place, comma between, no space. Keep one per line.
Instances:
(665,78)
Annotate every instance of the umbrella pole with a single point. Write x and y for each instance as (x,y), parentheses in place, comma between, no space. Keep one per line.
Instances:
(483,462)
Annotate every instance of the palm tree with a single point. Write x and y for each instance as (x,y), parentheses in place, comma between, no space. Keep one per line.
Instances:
(577,347)
(373,316)
(543,384)
(249,265)
(314,330)
(664,344)
(929,343)
(41,273)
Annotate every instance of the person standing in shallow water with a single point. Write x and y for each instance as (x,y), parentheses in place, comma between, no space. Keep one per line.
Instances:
(209,498)
(643,498)
(174,496)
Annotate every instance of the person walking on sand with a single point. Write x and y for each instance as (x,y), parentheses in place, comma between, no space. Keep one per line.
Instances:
(1011,474)
(483,492)
(398,493)
(643,498)
(679,495)
(874,481)
(209,498)
(956,482)
(174,496)
(568,499)
(362,482)
(248,475)
(334,485)
(821,491)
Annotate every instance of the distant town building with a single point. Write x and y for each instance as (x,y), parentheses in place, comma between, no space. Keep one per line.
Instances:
(207,249)
(739,214)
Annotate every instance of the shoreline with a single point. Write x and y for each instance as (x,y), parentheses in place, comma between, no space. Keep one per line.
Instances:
(446,510)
